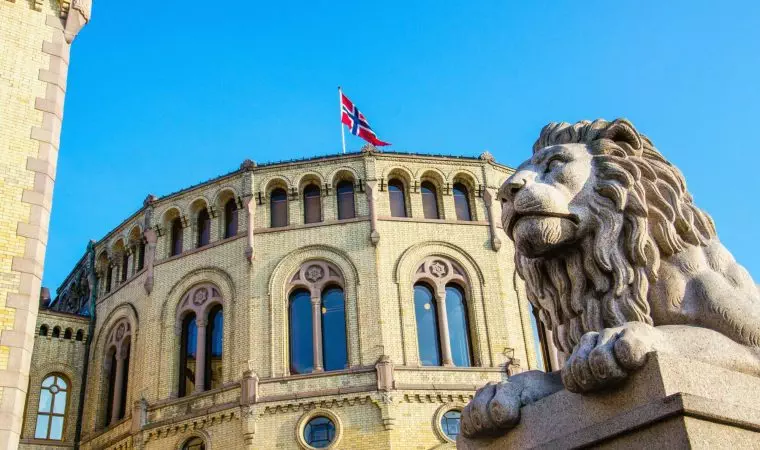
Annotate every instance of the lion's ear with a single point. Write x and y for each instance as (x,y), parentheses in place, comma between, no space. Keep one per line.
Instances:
(621,130)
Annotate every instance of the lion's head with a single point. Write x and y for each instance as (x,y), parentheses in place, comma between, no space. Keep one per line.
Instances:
(591,213)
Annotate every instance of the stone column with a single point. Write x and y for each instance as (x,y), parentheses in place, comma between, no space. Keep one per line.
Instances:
(374,236)
(200,355)
(316,318)
(488,198)
(150,256)
(118,385)
(443,327)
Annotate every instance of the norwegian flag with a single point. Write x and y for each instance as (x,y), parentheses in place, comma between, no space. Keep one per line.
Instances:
(356,122)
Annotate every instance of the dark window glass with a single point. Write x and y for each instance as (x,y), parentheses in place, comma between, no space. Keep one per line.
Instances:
(109,277)
(301,343)
(214,334)
(188,349)
(450,424)
(56,332)
(125,383)
(141,255)
(278,208)
(124,266)
(230,218)
(541,342)
(319,432)
(176,235)
(334,329)
(80,335)
(312,204)
(52,408)
(456,312)
(462,202)
(204,228)
(429,200)
(397,198)
(111,387)
(194,443)
(427,326)
(346,209)
(68,333)
(43,330)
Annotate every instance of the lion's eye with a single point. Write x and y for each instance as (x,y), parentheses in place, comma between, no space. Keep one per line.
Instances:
(553,164)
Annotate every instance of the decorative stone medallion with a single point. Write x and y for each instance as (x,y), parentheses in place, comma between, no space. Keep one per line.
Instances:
(314,274)
(438,269)
(200,297)
(120,332)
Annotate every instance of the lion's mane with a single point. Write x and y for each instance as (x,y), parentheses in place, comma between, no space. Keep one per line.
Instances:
(642,212)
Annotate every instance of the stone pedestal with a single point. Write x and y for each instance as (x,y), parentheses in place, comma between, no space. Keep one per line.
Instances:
(670,403)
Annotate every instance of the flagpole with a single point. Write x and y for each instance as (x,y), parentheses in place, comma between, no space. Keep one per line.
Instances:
(340,108)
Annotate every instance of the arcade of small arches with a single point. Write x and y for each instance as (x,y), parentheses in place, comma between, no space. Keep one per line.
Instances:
(68,333)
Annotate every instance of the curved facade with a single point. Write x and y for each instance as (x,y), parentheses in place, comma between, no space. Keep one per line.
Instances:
(335,302)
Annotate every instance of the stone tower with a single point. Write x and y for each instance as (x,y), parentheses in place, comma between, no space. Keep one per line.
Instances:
(35,38)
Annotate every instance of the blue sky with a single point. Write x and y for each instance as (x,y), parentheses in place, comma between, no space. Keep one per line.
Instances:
(166,95)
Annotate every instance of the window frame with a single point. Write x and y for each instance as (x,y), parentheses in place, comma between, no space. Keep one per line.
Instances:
(203,228)
(312,198)
(51,414)
(284,204)
(398,183)
(467,201)
(430,200)
(343,204)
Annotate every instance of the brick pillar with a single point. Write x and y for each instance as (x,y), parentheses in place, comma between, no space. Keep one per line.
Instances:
(36,39)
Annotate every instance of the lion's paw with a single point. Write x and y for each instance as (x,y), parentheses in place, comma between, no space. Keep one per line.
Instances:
(606,358)
(495,407)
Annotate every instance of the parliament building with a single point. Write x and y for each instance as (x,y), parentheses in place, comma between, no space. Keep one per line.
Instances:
(348,301)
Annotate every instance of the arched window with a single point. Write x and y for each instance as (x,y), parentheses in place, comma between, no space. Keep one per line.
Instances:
(194,443)
(462,202)
(51,412)
(80,335)
(440,306)
(188,354)
(214,341)
(204,228)
(118,348)
(346,208)
(397,198)
(425,310)
(334,329)
(278,208)
(43,330)
(200,325)
(141,255)
(176,237)
(312,204)
(230,218)
(56,332)
(317,319)
(68,333)
(429,200)
(456,315)
(124,266)
(301,336)
(109,277)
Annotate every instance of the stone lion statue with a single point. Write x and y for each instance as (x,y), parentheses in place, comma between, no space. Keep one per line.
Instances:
(618,262)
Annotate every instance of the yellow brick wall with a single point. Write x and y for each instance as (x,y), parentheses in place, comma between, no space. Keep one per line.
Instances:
(379,311)
(34,56)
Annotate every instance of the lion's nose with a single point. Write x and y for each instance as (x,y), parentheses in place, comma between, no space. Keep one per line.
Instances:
(513,185)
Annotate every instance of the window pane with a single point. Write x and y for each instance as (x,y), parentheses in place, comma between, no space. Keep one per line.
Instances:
(462,202)
(189,350)
(319,432)
(59,402)
(278,207)
(301,343)
(334,329)
(397,198)
(48,381)
(176,237)
(214,349)
(312,204)
(56,428)
(427,326)
(194,444)
(456,311)
(204,228)
(450,424)
(40,432)
(230,218)
(125,383)
(46,401)
(429,201)
(346,208)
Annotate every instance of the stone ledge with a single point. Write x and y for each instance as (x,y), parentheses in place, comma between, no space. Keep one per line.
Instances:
(670,403)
